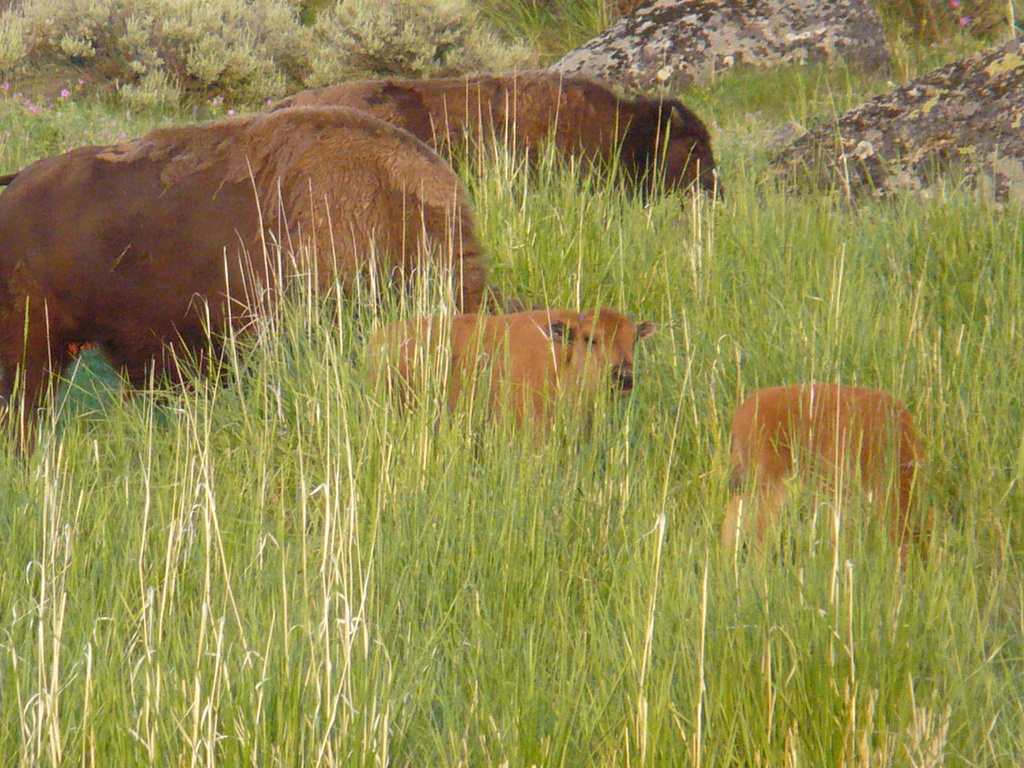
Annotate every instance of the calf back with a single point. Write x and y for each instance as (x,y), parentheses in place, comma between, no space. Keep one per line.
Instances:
(830,435)
(518,363)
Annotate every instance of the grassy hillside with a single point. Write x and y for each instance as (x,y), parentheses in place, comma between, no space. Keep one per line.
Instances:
(281,570)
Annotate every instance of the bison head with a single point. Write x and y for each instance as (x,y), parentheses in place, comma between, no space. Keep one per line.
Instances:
(687,157)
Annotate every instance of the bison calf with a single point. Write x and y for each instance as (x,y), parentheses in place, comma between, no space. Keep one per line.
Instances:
(523,361)
(656,143)
(830,435)
(154,243)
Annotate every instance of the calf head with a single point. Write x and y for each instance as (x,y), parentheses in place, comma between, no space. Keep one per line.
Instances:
(599,343)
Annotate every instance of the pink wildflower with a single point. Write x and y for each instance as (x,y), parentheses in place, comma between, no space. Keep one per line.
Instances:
(6,86)
(954,3)
(64,93)
(231,113)
(965,20)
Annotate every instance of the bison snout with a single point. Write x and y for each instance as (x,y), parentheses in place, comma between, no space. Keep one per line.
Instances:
(622,378)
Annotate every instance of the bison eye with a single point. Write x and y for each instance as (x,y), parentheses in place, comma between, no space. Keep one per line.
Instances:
(589,340)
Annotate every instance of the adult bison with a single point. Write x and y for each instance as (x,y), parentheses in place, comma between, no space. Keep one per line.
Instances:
(144,247)
(657,143)
(525,361)
(833,437)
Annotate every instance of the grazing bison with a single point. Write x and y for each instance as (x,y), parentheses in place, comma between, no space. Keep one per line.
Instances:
(657,143)
(524,360)
(831,435)
(149,244)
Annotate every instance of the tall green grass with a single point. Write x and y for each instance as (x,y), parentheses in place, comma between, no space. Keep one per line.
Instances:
(550,27)
(275,567)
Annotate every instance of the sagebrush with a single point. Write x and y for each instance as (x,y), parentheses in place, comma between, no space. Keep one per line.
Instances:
(166,51)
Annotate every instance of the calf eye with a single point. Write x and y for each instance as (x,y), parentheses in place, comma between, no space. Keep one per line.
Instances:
(589,340)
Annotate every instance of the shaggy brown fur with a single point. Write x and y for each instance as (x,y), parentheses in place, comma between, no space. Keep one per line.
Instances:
(136,247)
(524,360)
(657,143)
(831,435)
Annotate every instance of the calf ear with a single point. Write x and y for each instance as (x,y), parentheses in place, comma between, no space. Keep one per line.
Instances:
(558,331)
(645,330)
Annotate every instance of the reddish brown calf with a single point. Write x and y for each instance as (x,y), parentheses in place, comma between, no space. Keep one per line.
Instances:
(831,436)
(525,360)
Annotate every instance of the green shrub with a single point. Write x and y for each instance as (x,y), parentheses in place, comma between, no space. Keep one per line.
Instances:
(933,20)
(406,38)
(13,47)
(154,90)
(164,51)
(163,47)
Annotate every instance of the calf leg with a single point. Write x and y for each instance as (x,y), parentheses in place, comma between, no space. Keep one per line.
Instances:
(735,517)
(756,511)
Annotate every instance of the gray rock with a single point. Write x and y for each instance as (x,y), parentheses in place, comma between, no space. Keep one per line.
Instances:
(677,43)
(965,117)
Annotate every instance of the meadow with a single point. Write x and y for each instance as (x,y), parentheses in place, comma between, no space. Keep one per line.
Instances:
(274,567)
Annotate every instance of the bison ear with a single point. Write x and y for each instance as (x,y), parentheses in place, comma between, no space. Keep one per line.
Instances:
(559,332)
(676,118)
(645,330)
(684,122)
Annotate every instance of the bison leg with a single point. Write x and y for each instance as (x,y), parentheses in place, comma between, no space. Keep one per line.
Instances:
(30,358)
(145,357)
(140,358)
(472,282)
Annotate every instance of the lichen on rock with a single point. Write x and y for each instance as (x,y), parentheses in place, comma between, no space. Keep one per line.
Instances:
(675,44)
(963,118)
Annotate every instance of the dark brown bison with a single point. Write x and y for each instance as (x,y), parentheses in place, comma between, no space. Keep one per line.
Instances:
(146,245)
(525,360)
(657,143)
(833,436)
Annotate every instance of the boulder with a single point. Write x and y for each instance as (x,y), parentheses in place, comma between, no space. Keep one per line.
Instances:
(963,118)
(676,44)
